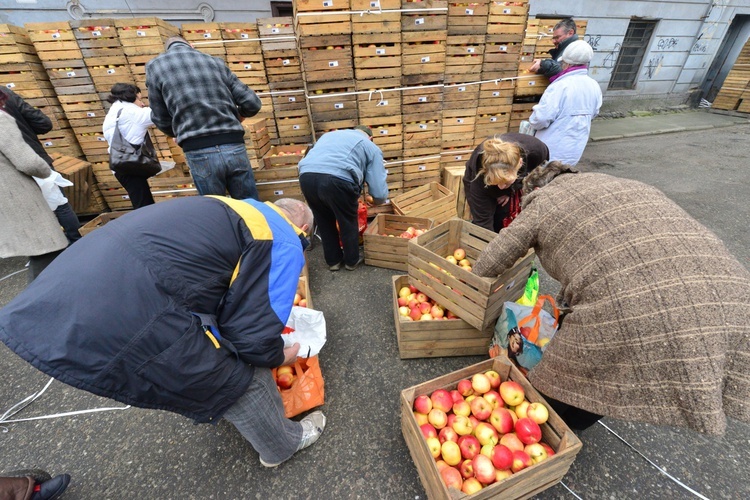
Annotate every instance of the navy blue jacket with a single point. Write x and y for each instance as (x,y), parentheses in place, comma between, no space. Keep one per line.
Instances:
(113,314)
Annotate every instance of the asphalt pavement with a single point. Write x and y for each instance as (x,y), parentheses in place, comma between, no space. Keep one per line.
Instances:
(134,453)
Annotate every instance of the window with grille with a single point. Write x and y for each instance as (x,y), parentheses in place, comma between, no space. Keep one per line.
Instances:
(281,9)
(634,46)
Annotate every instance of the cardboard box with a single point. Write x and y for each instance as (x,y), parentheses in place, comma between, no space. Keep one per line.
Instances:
(522,484)
(478,301)
(433,339)
(386,251)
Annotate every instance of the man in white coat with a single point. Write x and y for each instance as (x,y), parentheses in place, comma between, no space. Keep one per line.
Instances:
(563,116)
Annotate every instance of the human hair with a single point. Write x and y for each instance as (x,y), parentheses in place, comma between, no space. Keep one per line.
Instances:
(123,92)
(364,128)
(297,211)
(500,162)
(567,24)
(544,174)
(3,98)
(174,39)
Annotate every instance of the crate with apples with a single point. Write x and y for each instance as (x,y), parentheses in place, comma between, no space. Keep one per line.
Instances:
(302,297)
(386,239)
(475,299)
(484,431)
(429,331)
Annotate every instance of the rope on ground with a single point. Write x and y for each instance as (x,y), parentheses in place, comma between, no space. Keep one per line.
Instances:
(680,483)
(13,274)
(571,491)
(21,405)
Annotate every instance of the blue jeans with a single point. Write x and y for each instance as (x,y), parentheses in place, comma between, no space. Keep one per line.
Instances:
(259,416)
(218,169)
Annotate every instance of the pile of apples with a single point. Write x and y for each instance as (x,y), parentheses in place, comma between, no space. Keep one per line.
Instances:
(411,232)
(459,258)
(299,300)
(285,377)
(482,432)
(414,305)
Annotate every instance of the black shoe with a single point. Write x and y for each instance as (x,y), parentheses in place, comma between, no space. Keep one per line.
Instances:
(355,266)
(52,489)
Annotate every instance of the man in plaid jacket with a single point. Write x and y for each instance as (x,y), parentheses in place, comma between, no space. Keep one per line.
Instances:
(195,98)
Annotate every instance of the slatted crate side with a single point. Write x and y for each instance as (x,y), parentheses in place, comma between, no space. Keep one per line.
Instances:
(437,338)
(431,201)
(453,179)
(274,190)
(284,156)
(382,244)
(523,484)
(61,141)
(83,195)
(167,188)
(468,19)
(421,171)
(373,19)
(303,289)
(115,196)
(205,37)
(319,17)
(387,133)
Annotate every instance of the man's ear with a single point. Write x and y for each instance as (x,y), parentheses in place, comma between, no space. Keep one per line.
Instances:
(305,227)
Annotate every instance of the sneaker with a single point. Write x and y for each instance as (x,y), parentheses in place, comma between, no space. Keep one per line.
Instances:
(334,267)
(355,266)
(312,428)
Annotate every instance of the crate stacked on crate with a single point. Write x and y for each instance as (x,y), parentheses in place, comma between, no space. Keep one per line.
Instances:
(333,105)
(387,134)
(423,57)
(244,58)
(103,54)
(22,72)
(279,177)
(376,39)
(468,18)
(735,91)
(257,140)
(379,103)
(284,72)
(165,188)
(520,111)
(422,123)
(504,40)
(205,37)
(494,109)
(460,101)
(322,17)
(464,57)
(84,195)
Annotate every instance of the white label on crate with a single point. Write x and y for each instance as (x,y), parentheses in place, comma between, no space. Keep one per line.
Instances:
(125,197)
(327,3)
(496,94)
(248,66)
(71,73)
(206,35)
(510,285)
(384,132)
(244,35)
(459,120)
(462,89)
(493,119)
(55,35)
(110,72)
(101,139)
(91,114)
(419,20)
(274,30)
(503,48)
(459,157)
(380,52)
(387,171)
(292,99)
(471,50)
(375,4)
(425,59)
(422,126)
(295,127)
(422,99)
(49,143)
(382,103)
(507,11)
(422,167)
(532,83)
(338,105)
(96,33)
(286,62)
(333,64)
(469,12)
(10,85)
(140,33)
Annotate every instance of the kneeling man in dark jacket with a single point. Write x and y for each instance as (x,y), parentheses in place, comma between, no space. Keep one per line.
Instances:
(177,306)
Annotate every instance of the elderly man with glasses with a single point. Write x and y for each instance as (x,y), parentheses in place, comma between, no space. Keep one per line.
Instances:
(563,35)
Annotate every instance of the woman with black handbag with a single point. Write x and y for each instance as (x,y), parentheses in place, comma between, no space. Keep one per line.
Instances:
(132,156)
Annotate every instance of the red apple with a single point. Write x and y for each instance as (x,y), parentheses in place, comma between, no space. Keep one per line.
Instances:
(471,486)
(511,441)
(452,478)
(464,387)
(521,460)
(501,420)
(428,431)
(447,434)
(474,421)
(440,464)
(466,469)
(480,408)
(486,434)
(402,302)
(528,431)
(484,471)
(456,396)
(502,457)
(424,308)
(285,380)
(548,449)
(451,453)
(512,393)
(423,404)
(422,297)
(442,400)
(415,314)
(493,398)
(469,446)
(494,377)
(538,413)
(437,418)
(480,383)
(536,451)
(462,425)
(437,311)
(413,289)
(451,419)
(459,254)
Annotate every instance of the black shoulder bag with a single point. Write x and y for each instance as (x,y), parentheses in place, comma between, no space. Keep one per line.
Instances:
(128,159)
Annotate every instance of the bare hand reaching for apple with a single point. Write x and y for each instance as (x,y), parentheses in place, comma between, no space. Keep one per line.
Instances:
(290,353)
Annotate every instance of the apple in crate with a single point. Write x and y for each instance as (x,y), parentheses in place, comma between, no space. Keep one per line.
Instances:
(536,451)
(471,486)
(512,393)
(452,478)
(484,471)
(501,420)
(464,387)
(521,460)
(480,408)
(462,425)
(494,377)
(447,434)
(442,400)
(428,430)
(486,434)
(469,446)
(538,413)
(481,384)
(437,418)
(502,457)
(466,469)
(511,441)
(423,404)
(451,453)
(528,431)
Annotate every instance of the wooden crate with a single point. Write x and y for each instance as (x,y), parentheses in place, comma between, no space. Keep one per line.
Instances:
(423,53)
(332,100)
(476,300)
(421,171)
(377,55)
(274,190)
(82,195)
(382,250)
(523,484)
(327,58)
(284,156)
(432,19)
(101,220)
(453,179)
(431,201)
(381,100)
(436,339)
(303,288)
(166,188)
(468,18)
(207,38)
(374,20)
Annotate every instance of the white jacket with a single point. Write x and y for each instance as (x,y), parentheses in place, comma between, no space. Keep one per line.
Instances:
(134,122)
(563,116)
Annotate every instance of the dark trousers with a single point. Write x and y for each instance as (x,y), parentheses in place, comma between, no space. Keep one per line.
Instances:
(37,263)
(137,188)
(332,200)
(69,222)
(576,418)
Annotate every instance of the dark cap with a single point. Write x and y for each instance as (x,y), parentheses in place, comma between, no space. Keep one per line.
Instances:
(364,128)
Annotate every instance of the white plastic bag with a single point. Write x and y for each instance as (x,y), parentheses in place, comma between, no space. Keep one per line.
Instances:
(308,328)
(50,187)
